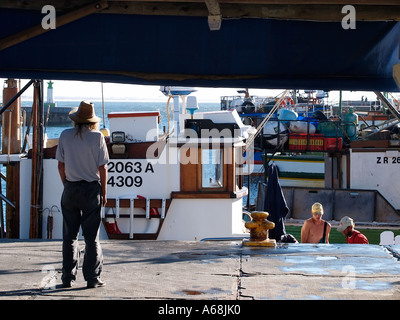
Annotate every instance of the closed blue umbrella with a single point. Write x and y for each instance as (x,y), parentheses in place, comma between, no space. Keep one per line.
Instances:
(275,204)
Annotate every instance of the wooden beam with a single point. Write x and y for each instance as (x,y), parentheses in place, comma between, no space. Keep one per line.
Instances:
(62,5)
(297,2)
(328,13)
(60,21)
(213,7)
(314,10)
(284,12)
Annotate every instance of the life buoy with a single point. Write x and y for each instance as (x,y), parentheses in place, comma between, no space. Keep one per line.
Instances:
(112,227)
(287,102)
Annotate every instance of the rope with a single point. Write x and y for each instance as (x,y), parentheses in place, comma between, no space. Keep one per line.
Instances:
(251,139)
(167,133)
(102,103)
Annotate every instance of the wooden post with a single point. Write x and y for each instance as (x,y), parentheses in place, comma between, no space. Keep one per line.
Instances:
(35,229)
(11,144)
(11,119)
(33,222)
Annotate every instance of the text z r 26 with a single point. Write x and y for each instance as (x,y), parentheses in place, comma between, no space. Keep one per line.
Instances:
(388,160)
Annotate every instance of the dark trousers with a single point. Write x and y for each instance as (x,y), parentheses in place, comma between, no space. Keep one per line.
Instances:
(81,206)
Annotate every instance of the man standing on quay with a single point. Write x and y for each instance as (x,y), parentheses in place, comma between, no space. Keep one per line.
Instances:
(82,164)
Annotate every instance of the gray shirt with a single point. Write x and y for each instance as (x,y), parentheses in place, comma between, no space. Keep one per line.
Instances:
(82,156)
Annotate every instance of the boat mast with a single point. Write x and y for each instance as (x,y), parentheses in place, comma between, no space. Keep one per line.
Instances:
(35,229)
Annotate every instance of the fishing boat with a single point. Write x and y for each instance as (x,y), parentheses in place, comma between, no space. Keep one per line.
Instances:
(356,172)
(251,106)
(303,170)
(184,184)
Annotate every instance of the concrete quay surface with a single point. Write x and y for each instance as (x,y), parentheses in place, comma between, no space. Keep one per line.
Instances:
(210,270)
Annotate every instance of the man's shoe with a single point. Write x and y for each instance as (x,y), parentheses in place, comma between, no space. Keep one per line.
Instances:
(95,283)
(67,284)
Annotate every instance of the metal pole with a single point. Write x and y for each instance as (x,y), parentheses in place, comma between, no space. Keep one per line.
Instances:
(2,221)
(102,104)
(40,158)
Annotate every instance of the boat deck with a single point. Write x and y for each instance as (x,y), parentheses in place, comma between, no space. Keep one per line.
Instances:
(223,270)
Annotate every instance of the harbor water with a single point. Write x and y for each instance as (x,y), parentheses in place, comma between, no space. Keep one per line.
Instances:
(124,106)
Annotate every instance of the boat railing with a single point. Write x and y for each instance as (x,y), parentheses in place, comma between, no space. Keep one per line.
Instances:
(306,135)
(307,110)
(259,103)
(7,201)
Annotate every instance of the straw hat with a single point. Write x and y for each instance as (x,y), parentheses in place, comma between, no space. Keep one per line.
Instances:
(85,113)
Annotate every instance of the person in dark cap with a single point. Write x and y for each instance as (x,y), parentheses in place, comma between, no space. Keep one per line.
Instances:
(82,164)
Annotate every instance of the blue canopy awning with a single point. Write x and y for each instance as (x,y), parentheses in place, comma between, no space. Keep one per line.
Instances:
(172,50)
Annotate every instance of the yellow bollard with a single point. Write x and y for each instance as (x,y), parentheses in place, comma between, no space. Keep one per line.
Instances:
(259,226)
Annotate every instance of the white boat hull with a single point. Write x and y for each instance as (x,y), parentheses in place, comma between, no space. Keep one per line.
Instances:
(378,170)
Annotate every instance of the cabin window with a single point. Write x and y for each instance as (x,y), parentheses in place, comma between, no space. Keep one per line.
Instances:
(212,169)
(215,172)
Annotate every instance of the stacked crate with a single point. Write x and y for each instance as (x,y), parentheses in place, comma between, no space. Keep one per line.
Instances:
(303,142)
(313,142)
